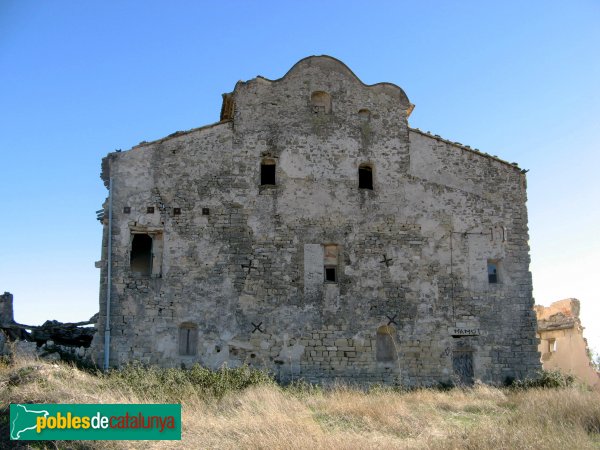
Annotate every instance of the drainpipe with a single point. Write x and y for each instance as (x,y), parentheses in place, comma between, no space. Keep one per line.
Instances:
(108,278)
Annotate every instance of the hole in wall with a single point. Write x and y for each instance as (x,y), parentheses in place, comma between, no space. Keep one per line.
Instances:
(320,102)
(364,115)
(267,172)
(141,254)
(330,274)
(365,176)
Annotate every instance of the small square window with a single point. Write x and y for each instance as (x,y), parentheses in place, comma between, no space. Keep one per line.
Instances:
(330,274)
(176,211)
(267,173)
(492,269)
(365,177)
(552,347)
(205,211)
(150,209)
(126,209)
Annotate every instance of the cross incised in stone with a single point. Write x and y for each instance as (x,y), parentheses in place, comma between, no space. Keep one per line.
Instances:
(249,267)
(386,260)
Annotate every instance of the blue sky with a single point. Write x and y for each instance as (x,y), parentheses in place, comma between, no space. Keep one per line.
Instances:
(520,80)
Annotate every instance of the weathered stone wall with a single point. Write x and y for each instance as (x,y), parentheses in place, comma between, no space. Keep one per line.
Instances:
(247,276)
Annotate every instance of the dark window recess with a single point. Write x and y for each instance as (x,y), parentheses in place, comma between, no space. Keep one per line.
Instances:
(365,177)
(267,174)
(126,209)
(492,268)
(205,211)
(141,254)
(330,274)
(150,209)
(176,211)
(188,339)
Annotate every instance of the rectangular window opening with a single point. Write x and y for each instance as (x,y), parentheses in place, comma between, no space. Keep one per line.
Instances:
(141,254)
(145,256)
(330,274)
(492,269)
(330,262)
(267,174)
(365,177)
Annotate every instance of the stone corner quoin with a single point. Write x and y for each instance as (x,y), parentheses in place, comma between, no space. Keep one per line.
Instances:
(313,233)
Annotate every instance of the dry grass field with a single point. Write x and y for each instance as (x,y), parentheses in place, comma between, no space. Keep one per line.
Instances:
(221,414)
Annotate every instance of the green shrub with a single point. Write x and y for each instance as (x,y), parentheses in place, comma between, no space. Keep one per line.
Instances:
(171,382)
(547,379)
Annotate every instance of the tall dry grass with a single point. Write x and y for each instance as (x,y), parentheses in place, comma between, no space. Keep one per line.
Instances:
(266,416)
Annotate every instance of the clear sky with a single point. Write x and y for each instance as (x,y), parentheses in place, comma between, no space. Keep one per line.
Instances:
(516,79)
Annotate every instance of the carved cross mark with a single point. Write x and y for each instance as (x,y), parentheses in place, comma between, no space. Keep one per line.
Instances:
(257,327)
(392,320)
(249,267)
(386,260)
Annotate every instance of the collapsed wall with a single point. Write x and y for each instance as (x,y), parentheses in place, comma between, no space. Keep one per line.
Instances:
(52,339)
(562,344)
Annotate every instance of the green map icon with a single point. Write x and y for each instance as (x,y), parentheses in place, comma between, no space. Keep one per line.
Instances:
(67,422)
(23,420)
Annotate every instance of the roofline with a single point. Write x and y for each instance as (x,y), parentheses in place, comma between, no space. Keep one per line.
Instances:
(466,148)
(104,173)
(182,133)
(341,63)
(347,69)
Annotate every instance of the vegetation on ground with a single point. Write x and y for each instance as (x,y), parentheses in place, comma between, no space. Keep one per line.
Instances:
(244,408)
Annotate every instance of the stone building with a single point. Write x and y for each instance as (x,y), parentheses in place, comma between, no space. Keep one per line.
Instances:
(562,344)
(313,233)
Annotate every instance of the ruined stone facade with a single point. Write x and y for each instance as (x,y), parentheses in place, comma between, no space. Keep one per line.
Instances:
(313,233)
(562,344)
(51,340)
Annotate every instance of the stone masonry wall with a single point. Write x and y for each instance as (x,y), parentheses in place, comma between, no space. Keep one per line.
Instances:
(241,265)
